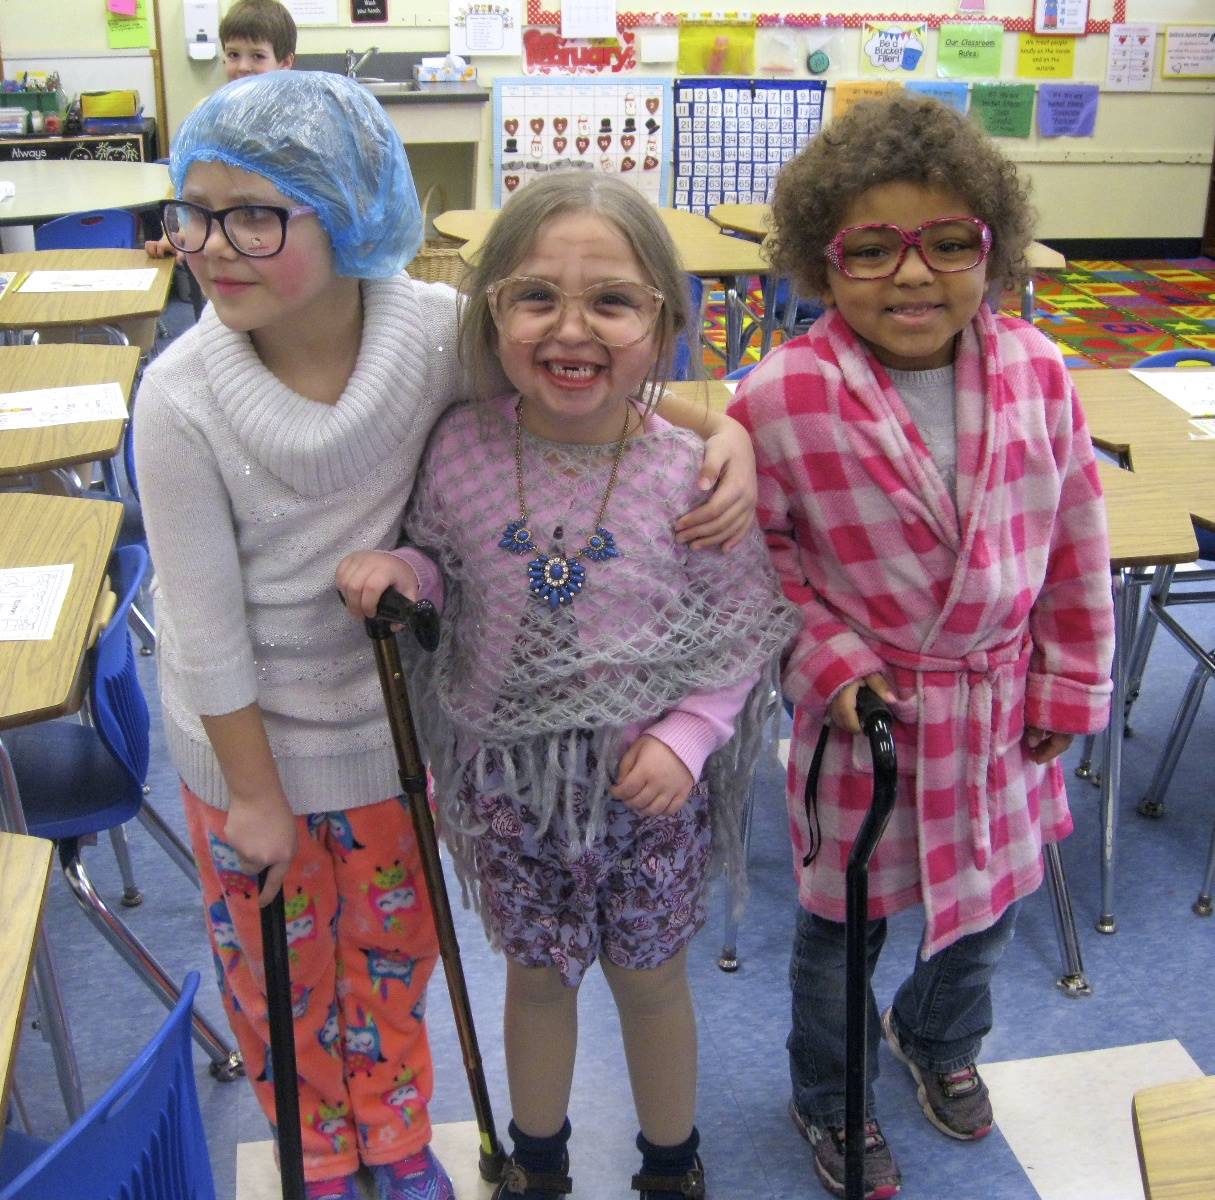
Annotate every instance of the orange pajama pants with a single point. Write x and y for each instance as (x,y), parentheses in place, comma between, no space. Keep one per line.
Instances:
(362,946)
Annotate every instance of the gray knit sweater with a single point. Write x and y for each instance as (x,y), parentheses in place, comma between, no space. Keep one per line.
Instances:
(251,496)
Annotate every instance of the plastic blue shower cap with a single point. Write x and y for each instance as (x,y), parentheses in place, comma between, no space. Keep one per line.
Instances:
(323,140)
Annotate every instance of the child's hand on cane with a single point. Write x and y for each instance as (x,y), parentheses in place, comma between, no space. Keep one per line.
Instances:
(364,576)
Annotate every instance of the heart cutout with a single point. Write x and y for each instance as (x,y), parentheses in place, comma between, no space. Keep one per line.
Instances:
(583,144)
(537,124)
(626,141)
(512,182)
(627,164)
(650,163)
(559,144)
(560,123)
(604,140)
(511,125)
(651,104)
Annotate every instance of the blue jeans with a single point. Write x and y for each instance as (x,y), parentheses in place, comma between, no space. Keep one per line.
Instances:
(942,1011)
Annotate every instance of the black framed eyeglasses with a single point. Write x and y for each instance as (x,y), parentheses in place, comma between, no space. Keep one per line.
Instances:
(947,245)
(254,230)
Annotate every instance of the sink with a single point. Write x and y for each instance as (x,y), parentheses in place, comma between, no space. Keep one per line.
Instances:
(393,88)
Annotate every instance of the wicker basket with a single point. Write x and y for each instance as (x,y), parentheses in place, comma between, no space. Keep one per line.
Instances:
(439,259)
(438,264)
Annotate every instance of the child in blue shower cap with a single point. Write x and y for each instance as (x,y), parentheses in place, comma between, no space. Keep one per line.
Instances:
(281,430)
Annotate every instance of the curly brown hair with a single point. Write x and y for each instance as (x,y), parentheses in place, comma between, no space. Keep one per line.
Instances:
(901,139)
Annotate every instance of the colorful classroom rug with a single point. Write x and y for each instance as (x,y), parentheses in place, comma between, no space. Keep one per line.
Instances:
(1102,313)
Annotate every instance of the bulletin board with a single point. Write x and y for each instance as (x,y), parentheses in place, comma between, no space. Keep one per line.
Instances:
(619,128)
(732,136)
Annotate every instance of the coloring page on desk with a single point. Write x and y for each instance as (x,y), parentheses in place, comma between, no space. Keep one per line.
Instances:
(6,281)
(732,136)
(136,279)
(553,124)
(62,406)
(31,599)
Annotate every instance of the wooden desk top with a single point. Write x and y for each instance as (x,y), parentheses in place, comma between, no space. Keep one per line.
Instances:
(25,867)
(751,220)
(47,189)
(1126,417)
(1175,1136)
(20,310)
(701,246)
(40,679)
(711,392)
(27,368)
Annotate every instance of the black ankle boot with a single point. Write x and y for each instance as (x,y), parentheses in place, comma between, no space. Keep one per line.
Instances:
(538,1168)
(670,1172)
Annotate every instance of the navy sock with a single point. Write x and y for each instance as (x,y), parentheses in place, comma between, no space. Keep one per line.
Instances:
(670,1161)
(541,1155)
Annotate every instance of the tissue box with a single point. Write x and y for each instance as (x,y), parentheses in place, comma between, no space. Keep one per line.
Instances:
(444,73)
(124,103)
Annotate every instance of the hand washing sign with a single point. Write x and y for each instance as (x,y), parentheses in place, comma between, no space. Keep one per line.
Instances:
(892,47)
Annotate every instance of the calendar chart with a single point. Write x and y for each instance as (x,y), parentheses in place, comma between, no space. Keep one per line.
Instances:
(620,129)
(732,136)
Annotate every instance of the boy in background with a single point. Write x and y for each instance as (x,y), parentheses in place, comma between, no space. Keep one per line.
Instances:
(256,36)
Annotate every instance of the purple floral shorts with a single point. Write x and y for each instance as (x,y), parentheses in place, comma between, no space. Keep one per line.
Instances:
(635,896)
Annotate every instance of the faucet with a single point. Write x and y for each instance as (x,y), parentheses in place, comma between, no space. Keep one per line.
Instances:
(355,62)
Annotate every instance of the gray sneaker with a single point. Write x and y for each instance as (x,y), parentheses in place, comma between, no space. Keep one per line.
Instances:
(882,1177)
(956,1102)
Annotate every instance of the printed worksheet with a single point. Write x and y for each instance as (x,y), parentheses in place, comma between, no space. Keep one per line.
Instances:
(31,599)
(1190,389)
(62,406)
(138,279)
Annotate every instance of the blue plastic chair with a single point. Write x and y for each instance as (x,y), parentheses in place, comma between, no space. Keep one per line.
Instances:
(1174,358)
(142,1139)
(102,229)
(78,780)
(743,371)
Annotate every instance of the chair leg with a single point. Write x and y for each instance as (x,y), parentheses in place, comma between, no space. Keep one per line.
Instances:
(1152,804)
(225,1062)
(55,1029)
(143,630)
(1202,906)
(728,959)
(1136,662)
(1073,981)
(132,897)
(169,842)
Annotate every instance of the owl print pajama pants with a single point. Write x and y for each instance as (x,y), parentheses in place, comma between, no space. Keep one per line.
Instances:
(362,946)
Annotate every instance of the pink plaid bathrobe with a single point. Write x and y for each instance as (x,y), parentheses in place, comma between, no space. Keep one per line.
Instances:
(985,616)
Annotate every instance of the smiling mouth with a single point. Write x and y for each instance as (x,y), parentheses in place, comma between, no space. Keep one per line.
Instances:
(912,310)
(573,371)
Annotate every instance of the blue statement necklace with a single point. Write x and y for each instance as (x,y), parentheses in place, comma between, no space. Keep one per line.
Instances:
(555,579)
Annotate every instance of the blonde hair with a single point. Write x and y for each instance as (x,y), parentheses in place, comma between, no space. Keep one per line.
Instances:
(512,236)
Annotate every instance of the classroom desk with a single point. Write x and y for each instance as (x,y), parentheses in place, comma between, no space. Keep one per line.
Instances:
(65,310)
(43,679)
(703,251)
(1151,512)
(53,189)
(1175,1136)
(28,368)
(25,868)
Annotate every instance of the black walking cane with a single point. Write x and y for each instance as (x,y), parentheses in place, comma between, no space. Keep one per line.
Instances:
(875,721)
(282,1045)
(423,621)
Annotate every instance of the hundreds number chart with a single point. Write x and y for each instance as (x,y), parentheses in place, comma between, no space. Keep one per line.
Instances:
(732,136)
(620,129)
